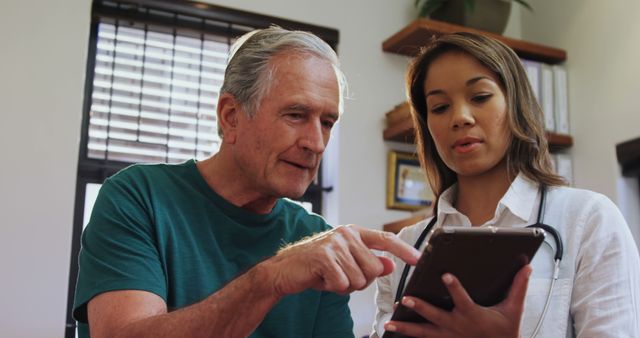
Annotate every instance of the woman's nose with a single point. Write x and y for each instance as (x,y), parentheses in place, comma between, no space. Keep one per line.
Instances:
(462,116)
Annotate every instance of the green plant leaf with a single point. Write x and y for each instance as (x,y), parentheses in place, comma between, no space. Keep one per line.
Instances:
(419,4)
(524,4)
(430,6)
(427,7)
(469,5)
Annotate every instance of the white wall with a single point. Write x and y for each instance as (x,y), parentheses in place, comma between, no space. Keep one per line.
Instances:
(601,40)
(44,47)
(43,66)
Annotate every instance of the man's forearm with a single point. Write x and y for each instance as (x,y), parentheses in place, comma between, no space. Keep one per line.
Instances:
(234,311)
(336,261)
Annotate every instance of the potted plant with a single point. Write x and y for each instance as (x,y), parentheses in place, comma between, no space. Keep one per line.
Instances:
(487,15)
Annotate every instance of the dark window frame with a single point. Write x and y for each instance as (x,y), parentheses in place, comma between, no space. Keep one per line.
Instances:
(95,170)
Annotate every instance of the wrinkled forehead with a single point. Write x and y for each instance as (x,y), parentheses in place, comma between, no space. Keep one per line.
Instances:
(315,66)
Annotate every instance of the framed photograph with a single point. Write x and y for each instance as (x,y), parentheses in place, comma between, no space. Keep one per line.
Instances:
(407,187)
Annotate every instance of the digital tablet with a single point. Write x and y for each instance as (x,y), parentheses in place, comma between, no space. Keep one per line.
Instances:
(484,259)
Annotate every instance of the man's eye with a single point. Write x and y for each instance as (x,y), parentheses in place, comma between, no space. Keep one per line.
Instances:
(481,98)
(295,116)
(328,124)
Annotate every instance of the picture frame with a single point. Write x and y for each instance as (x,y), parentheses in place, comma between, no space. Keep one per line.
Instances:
(407,186)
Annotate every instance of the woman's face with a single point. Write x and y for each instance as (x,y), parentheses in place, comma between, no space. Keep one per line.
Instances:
(467,115)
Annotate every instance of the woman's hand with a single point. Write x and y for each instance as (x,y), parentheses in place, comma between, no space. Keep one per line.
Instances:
(467,319)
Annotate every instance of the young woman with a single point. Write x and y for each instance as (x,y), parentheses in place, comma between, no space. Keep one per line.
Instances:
(483,147)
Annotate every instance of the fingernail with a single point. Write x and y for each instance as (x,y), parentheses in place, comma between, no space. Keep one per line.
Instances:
(447,278)
(389,327)
(408,302)
(529,271)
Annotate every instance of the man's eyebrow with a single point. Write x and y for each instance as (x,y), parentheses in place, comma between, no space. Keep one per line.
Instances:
(298,106)
(307,109)
(333,116)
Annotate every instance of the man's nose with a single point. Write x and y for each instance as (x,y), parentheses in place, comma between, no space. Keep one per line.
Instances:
(314,138)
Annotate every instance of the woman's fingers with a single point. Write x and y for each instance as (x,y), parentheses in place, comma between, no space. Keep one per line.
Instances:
(467,319)
(518,291)
(431,313)
(461,299)
(413,329)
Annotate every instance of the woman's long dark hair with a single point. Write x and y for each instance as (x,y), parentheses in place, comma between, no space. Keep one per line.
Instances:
(528,152)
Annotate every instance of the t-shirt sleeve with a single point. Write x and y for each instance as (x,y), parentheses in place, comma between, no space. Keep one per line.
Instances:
(334,317)
(119,250)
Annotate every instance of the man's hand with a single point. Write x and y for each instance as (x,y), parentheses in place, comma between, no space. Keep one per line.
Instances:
(339,260)
(467,319)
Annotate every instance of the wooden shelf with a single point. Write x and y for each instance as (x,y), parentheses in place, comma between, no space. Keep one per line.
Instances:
(403,132)
(396,226)
(559,141)
(400,132)
(409,40)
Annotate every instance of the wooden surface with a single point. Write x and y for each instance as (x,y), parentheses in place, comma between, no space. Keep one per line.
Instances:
(396,226)
(400,132)
(409,40)
(559,141)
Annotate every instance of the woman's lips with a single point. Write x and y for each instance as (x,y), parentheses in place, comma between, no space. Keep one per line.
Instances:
(466,145)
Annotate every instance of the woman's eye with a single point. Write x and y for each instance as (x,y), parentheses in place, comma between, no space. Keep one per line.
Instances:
(439,108)
(481,98)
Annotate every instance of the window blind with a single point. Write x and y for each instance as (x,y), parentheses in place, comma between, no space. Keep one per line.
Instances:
(156,77)
(154,94)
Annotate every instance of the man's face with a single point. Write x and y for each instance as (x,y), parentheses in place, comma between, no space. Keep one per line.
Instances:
(278,150)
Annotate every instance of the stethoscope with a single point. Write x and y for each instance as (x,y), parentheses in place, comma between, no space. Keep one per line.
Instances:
(547,228)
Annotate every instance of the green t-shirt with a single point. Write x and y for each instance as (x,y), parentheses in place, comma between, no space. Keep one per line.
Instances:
(162,229)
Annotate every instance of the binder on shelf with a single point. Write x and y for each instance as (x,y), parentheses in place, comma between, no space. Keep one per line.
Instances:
(533,73)
(546,97)
(561,99)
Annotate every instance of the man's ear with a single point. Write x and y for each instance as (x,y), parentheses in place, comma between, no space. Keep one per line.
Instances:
(228,111)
